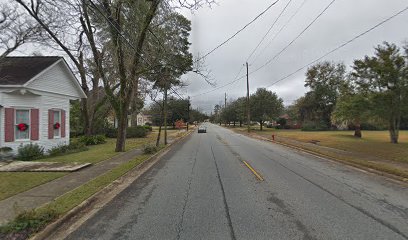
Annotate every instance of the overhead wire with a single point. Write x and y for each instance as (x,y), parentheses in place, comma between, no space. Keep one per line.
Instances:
(239,31)
(287,46)
(127,40)
(342,45)
(236,79)
(296,38)
(269,30)
(280,30)
(117,30)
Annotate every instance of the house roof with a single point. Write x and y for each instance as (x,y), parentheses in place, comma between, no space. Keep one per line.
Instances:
(19,70)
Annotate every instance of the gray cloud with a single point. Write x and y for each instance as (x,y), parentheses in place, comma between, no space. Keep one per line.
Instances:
(342,21)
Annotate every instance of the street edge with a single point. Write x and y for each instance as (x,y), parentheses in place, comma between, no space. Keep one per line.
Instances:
(94,203)
(391,177)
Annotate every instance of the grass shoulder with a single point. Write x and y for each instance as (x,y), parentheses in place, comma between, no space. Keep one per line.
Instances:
(373,150)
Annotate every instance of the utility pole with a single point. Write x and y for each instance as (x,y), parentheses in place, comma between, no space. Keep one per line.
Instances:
(188,111)
(225,101)
(248,112)
(165,115)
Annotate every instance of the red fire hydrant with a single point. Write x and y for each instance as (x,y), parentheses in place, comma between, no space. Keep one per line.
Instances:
(273,137)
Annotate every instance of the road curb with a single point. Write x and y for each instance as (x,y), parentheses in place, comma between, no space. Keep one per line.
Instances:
(392,177)
(85,210)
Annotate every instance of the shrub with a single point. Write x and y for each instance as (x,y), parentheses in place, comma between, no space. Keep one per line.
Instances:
(131,132)
(30,152)
(368,126)
(148,124)
(314,126)
(149,149)
(92,140)
(148,127)
(6,153)
(5,149)
(136,132)
(29,221)
(66,149)
(75,134)
(111,132)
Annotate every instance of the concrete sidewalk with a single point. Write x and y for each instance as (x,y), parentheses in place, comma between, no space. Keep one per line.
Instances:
(47,192)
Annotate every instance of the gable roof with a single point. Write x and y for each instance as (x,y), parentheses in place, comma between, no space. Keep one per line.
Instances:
(19,70)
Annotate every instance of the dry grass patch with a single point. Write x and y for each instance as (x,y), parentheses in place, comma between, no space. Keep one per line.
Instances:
(373,150)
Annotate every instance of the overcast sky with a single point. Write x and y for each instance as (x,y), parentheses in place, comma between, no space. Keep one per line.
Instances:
(341,22)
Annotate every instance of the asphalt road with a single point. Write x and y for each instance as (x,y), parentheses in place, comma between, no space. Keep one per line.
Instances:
(203,189)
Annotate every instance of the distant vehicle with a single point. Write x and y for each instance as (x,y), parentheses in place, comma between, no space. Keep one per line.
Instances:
(202,129)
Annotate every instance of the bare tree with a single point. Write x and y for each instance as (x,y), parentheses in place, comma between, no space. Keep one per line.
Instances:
(16,29)
(60,20)
(115,35)
(128,28)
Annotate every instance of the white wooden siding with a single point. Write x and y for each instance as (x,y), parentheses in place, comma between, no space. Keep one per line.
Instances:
(58,80)
(43,103)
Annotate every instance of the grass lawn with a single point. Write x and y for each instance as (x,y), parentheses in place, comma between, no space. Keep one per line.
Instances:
(375,143)
(372,150)
(32,221)
(12,183)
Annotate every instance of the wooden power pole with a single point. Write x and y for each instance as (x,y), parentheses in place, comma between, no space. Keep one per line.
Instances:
(188,111)
(248,110)
(165,115)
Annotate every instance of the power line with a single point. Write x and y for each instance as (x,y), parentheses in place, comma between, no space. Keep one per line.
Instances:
(297,37)
(117,30)
(215,89)
(269,30)
(303,31)
(318,59)
(128,42)
(253,51)
(342,45)
(239,31)
(280,30)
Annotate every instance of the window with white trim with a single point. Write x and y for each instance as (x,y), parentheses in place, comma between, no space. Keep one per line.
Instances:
(57,123)
(22,124)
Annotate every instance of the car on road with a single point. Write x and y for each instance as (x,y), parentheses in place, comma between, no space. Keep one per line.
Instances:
(202,129)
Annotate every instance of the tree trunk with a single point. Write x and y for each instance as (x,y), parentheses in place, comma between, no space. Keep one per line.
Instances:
(357,130)
(84,111)
(160,124)
(234,123)
(261,122)
(122,125)
(240,123)
(165,116)
(394,131)
(158,136)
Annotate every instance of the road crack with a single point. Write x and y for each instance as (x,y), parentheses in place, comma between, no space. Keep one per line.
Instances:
(227,213)
(187,194)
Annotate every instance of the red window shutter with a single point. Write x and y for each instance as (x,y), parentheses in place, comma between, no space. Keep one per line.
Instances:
(9,125)
(63,122)
(35,124)
(50,124)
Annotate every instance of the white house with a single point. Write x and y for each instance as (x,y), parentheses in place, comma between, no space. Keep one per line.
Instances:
(35,94)
(143,119)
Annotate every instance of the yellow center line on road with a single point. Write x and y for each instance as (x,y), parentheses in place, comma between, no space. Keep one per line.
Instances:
(260,178)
